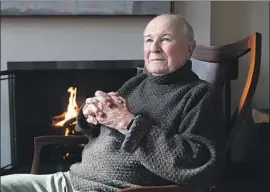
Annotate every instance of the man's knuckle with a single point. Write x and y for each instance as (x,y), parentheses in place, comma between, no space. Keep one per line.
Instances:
(98,93)
(88,100)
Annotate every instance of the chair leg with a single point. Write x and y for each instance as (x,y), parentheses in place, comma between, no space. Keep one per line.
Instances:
(36,160)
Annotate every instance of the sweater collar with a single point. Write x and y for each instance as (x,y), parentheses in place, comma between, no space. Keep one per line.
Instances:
(183,74)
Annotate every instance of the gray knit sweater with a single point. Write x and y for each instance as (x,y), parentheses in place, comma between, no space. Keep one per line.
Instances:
(177,137)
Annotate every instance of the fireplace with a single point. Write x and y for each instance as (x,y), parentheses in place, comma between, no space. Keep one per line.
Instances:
(40,93)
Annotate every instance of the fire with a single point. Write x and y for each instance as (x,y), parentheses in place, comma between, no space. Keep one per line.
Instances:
(66,119)
(67,154)
(72,111)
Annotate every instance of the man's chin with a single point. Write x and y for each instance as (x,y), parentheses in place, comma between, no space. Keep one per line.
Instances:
(158,72)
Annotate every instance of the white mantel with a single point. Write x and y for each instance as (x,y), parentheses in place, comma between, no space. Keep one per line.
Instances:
(33,39)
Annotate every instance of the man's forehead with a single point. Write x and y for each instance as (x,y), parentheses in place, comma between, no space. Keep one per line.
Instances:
(163,25)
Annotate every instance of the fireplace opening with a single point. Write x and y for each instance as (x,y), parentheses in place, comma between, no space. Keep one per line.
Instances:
(42,99)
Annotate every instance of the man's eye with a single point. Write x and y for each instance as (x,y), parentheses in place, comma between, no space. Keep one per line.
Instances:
(148,40)
(166,39)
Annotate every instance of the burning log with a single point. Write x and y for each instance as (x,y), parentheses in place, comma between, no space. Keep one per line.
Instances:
(69,126)
(70,123)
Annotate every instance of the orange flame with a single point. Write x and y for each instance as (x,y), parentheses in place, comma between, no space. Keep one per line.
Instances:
(72,110)
(66,156)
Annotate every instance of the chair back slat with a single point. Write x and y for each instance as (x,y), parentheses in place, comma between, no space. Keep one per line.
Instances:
(218,54)
(245,100)
(219,65)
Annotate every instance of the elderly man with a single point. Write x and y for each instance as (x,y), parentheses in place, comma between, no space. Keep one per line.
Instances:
(161,127)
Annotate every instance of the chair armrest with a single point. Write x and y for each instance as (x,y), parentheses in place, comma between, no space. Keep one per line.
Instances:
(60,139)
(41,141)
(166,188)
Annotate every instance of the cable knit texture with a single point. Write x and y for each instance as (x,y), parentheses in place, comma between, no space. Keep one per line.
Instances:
(177,137)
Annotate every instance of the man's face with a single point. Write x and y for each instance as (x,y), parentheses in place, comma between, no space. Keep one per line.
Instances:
(165,46)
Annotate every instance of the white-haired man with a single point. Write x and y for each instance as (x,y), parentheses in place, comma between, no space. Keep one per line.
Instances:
(161,127)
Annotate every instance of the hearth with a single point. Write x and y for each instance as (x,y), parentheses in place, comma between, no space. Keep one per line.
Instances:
(44,100)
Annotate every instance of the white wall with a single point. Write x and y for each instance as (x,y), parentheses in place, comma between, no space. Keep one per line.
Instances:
(198,14)
(114,38)
(229,26)
(71,39)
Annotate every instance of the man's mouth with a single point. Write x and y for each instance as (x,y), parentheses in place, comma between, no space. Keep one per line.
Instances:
(157,60)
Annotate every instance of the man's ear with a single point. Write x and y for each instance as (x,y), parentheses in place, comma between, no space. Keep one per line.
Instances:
(191,46)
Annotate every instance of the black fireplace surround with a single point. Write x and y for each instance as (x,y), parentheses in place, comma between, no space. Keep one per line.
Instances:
(38,92)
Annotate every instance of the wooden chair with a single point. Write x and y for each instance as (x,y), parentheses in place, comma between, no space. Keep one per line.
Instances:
(215,64)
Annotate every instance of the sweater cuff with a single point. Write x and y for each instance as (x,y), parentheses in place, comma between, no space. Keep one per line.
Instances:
(137,131)
(82,125)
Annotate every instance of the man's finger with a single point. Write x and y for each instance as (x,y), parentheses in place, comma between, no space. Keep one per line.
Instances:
(100,93)
(91,119)
(95,101)
(105,95)
(104,98)
(117,99)
(114,94)
(92,100)
(92,109)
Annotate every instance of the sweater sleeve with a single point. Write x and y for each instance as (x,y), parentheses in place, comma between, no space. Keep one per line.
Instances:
(192,154)
(90,130)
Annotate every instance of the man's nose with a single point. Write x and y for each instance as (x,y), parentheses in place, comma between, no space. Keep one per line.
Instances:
(155,47)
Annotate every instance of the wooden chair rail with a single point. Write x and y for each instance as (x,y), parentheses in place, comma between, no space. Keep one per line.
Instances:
(254,43)
(166,188)
(219,54)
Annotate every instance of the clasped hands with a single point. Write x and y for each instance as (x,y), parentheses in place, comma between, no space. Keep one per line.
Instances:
(108,109)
